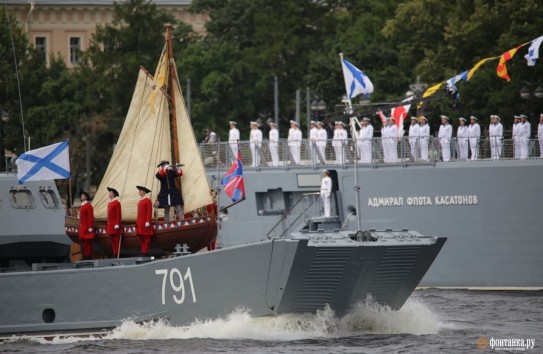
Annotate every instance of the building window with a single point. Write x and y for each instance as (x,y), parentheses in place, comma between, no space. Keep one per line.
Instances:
(49,198)
(41,46)
(75,49)
(21,199)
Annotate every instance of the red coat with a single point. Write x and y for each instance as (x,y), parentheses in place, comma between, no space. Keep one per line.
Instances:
(145,209)
(114,217)
(86,221)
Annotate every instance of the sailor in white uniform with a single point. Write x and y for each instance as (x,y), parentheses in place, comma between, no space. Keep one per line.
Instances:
(233,139)
(322,137)
(365,141)
(516,142)
(474,132)
(540,135)
(326,192)
(392,135)
(313,141)
(295,141)
(339,142)
(462,139)
(255,142)
(424,138)
(524,136)
(414,138)
(384,139)
(445,135)
(274,144)
(495,132)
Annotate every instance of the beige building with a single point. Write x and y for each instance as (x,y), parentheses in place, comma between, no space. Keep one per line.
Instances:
(63,27)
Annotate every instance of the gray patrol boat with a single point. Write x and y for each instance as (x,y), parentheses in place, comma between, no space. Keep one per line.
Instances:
(489,209)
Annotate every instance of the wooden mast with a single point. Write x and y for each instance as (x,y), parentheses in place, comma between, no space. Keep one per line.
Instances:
(171,82)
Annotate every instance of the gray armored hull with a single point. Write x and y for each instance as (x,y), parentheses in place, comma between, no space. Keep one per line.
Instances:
(488,209)
(298,274)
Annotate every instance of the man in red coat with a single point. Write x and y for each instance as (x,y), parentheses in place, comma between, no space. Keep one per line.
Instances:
(113,226)
(86,225)
(144,229)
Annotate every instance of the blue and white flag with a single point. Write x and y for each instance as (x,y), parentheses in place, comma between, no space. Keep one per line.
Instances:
(451,83)
(533,51)
(49,162)
(356,82)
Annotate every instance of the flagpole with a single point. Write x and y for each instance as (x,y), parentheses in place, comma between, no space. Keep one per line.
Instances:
(349,104)
(231,205)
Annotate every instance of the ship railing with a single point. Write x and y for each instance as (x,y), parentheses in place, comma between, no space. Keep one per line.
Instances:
(376,152)
(296,217)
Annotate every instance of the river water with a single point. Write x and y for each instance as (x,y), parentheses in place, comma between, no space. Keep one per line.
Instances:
(431,321)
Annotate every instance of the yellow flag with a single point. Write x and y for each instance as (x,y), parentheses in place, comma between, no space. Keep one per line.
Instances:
(430,91)
(481,62)
(160,78)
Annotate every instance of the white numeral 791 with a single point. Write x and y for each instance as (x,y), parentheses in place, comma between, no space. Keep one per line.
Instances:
(177,284)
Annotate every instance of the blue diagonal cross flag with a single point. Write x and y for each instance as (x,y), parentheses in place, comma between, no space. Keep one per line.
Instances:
(49,162)
(356,82)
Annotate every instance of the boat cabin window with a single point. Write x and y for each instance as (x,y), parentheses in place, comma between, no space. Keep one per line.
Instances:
(271,202)
(49,198)
(21,199)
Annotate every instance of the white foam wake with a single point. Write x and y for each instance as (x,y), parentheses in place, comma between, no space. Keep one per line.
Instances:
(366,318)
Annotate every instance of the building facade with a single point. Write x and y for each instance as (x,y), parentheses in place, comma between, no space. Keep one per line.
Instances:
(65,27)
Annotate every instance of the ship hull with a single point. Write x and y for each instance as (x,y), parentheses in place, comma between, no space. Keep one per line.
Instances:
(489,211)
(266,278)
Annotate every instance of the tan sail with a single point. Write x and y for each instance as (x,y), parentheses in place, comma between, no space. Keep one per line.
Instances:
(144,140)
(195,185)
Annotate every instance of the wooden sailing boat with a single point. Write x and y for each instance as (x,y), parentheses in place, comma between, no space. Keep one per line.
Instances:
(156,127)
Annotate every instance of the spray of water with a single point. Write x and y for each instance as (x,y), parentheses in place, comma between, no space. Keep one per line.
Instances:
(366,318)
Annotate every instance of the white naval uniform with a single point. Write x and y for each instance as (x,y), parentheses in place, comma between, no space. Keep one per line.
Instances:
(495,132)
(444,135)
(474,132)
(274,146)
(384,142)
(255,138)
(312,143)
(540,138)
(364,142)
(414,141)
(322,137)
(524,139)
(392,133)
(516,140)
(339,142)
(233,138)
(424,138)
(294,142)
(326,194)
(462,136)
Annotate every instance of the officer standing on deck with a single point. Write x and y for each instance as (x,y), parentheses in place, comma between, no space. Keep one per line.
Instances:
(274,144)
(255,139)
(462,136)
(474,132)
(445,135)
(326,192)
(233,139)
(414,138)
(524,136)
(495,131)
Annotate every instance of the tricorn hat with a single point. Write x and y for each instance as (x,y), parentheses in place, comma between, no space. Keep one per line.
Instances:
(142,188)
(86,194)
(113,190)
(163,162)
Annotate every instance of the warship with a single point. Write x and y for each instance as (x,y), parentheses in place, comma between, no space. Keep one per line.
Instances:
(489,209)
(320,264)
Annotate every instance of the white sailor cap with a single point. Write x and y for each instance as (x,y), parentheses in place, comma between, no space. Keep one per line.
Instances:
(516,116)
(273,124)
(340,123)
(294,122)
(424,118)
(313,122)
(254,123)
(473,117)
(320,123)
(444,117)
(366,118)
(413,117)
(523,116)
(462,118)
(232,122)
(497,117)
